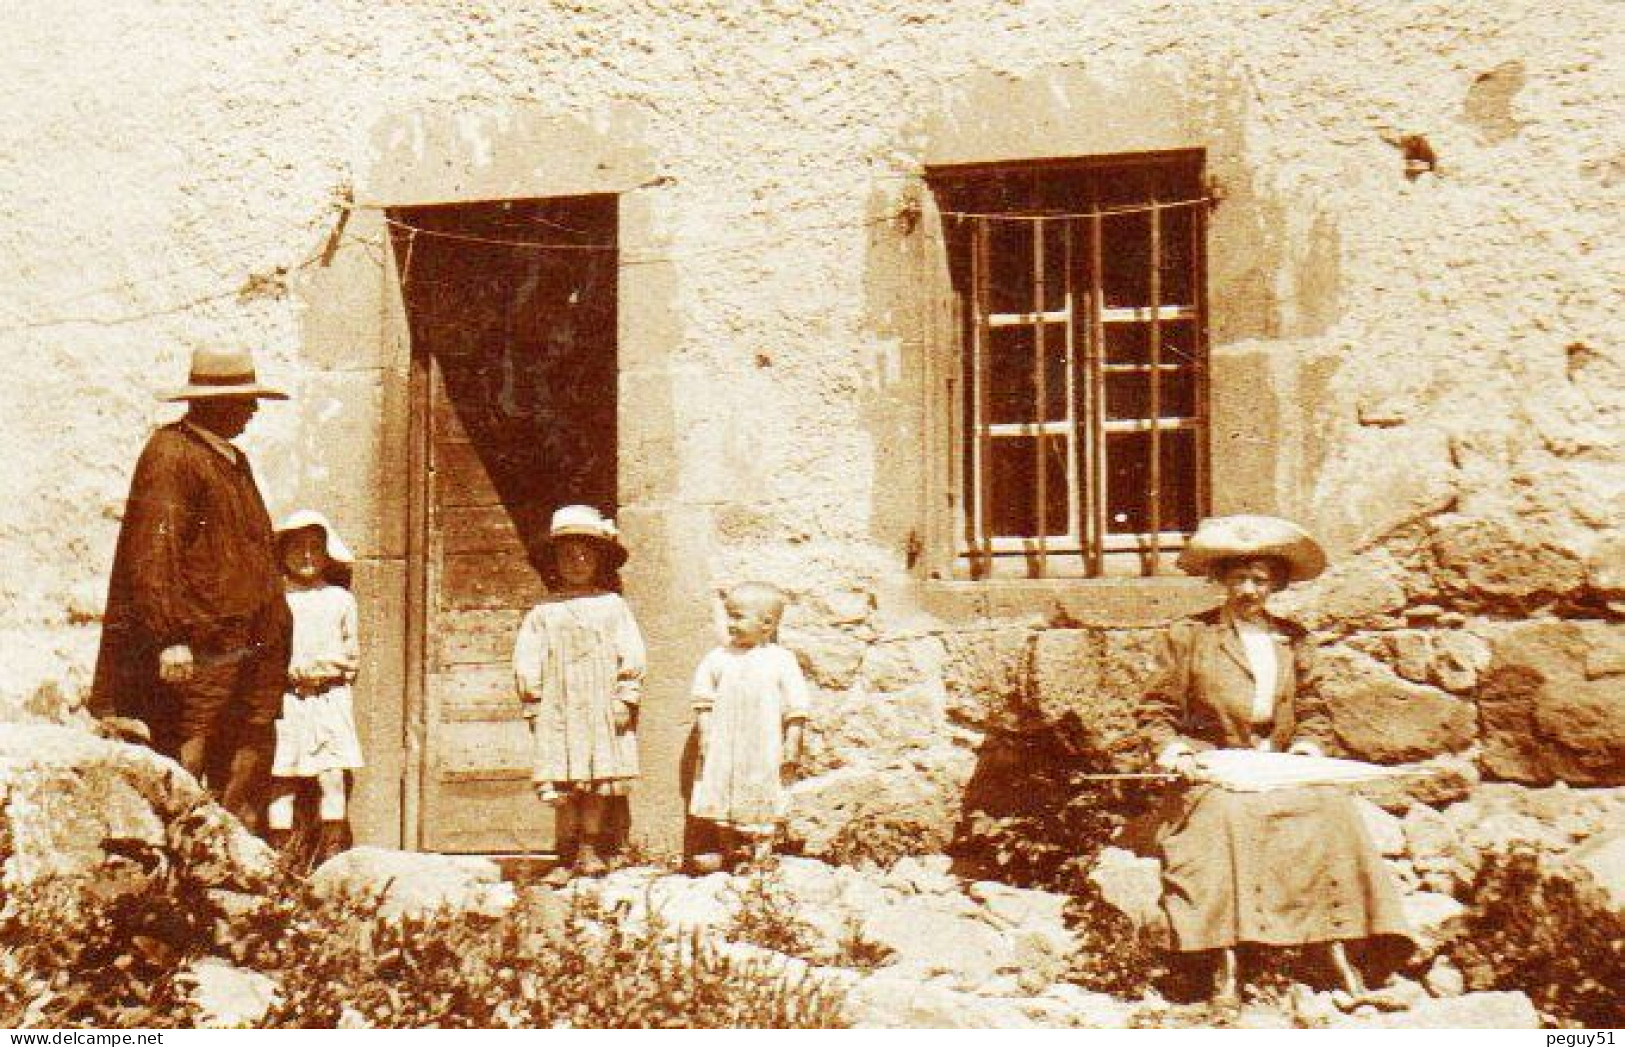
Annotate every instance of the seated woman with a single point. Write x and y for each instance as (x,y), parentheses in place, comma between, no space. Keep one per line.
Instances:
(1288,867)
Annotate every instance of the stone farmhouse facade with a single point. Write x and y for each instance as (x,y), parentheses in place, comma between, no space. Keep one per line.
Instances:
(951,318)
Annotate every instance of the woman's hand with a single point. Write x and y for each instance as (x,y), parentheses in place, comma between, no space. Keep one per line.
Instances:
(623,716)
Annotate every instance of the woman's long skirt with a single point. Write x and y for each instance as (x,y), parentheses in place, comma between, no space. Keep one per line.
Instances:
(1285,867)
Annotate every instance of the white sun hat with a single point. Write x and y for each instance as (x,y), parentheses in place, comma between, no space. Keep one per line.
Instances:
(302,519)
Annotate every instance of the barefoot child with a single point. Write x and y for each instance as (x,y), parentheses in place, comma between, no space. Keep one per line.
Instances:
(578,667)
(750,701)
(316,736)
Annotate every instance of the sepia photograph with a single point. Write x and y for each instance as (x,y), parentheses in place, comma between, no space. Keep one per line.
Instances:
(812,514)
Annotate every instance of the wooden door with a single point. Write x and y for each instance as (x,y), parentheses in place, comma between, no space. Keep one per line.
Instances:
(515,355)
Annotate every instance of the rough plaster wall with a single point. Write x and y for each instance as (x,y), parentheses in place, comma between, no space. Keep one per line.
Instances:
(166,163)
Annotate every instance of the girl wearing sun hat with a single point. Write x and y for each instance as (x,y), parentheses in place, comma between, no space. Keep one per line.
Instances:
(316,736)
(578,667)
(1282,868)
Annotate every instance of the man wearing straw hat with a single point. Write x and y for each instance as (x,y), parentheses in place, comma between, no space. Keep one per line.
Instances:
(195,639)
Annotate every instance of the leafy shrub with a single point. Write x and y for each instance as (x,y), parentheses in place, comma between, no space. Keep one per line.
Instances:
(1548,932)
(1035,816)
(882,839)
(545,964)
(108,954)
(73,954)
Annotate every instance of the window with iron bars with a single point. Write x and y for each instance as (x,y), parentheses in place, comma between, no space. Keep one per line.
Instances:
(1081,446)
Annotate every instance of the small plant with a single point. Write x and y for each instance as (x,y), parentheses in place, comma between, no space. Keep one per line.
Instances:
(1548,932)
(1112,955)
(882,839)
(765,916)
(857,950)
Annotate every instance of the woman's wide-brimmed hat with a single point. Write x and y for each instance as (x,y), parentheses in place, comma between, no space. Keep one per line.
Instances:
(337,551)
(584,521)
(221,373)
(1220,538)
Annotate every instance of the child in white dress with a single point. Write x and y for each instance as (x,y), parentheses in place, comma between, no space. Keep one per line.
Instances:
(578,666)
(750,701)
(316,736)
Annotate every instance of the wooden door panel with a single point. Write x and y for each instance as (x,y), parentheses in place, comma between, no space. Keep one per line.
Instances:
(477,637)
(483,692)
(489,581)
(516,409)
(484,750)
(488,528)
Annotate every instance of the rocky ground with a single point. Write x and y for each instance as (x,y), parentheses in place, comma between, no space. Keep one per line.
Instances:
(913,945)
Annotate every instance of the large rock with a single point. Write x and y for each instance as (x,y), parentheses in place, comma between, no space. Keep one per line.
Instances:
(1546,718)
(899,798)
(1428,912)
(1359,592)
(77,806)
(829,655)
(1378,716)
(1133,886)
(226,996)
(893,1000)
(937,935)
(1603,858)
(1497,565)
(406,884)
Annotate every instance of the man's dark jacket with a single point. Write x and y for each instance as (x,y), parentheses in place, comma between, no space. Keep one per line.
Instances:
(196,561)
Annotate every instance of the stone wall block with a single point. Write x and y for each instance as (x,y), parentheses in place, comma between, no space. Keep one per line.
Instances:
(1092,682)
(1361,592)
(987,675)
(829,656)
(1488,563)
(1378,716)
(1543,719)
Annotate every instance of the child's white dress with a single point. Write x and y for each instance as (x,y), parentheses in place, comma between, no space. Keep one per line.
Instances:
(317,731)
(574,660)
(752,693)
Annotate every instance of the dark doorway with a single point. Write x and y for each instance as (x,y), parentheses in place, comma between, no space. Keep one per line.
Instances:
(511,308)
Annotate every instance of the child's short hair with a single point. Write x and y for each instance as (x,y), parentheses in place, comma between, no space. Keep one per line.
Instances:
(759,594)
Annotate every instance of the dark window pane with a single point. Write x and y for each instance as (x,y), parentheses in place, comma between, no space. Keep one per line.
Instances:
(1012,394)
(1015,486)
(1128,481)
(1178,268)
(1010,267)
(1179,509)
(1057,235)
(1127,475)
(1129,395)
(1131,343)
(1125,259)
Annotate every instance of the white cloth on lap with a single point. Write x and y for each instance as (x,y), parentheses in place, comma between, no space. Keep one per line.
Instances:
(1250,770)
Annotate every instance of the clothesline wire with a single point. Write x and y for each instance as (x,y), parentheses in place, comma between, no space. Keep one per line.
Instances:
(1098,212)
(254,244)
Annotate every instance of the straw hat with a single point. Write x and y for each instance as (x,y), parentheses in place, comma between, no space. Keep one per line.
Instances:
(337,551)
(1220,538)
(584,521)
(223,372)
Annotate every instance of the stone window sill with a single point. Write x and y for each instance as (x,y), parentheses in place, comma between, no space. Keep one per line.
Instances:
(1100,602)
